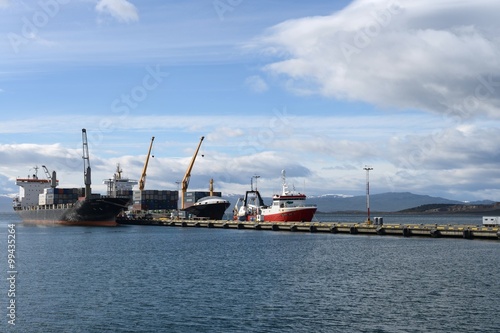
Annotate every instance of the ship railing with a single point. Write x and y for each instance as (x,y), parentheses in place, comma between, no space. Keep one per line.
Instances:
(300,205)
(46,207)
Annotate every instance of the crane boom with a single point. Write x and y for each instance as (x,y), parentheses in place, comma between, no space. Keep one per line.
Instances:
(142,181)
(86,164)
(187,175)
(52,178)
(47,173)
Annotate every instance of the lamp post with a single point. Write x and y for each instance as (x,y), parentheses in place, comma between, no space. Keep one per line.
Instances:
(367,168)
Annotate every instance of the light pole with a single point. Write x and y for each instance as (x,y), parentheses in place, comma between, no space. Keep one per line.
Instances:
(367,168)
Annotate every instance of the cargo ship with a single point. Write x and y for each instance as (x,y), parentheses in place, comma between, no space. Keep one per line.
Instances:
(40,201)
(286,207)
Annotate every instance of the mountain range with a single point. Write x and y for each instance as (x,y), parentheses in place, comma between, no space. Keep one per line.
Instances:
(384,202)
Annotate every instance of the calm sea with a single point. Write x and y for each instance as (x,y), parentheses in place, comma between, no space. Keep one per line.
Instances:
(167,279)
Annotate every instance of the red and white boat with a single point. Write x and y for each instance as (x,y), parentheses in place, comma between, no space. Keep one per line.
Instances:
(287,206)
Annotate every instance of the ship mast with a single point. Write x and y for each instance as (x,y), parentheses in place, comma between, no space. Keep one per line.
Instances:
(86,165)
(284,185)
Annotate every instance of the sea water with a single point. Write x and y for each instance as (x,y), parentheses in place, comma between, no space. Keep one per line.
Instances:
(169,279)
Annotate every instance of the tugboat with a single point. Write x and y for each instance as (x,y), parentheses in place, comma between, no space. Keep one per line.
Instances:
(211,208)
(287,206)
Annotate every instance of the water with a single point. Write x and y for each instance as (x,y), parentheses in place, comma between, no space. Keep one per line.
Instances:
(168,279)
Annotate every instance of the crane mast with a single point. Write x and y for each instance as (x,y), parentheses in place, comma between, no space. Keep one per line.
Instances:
(142,181)
(51,178)
(187,176)
(86,165)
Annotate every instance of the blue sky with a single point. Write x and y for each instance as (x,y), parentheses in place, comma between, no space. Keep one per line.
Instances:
(319,88)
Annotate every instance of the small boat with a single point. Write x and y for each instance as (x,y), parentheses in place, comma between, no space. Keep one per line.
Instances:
(287,206)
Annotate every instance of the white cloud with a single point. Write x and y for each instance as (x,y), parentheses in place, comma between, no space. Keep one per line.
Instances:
(4,3)
(256,84)
(408,152)
(434,56)
(122,10)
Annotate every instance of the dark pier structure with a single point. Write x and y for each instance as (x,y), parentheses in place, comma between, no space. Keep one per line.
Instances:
(404,230)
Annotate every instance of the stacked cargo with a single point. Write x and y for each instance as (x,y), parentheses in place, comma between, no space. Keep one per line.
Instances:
(193,196)
(155,200)
(55,196)
(123,193)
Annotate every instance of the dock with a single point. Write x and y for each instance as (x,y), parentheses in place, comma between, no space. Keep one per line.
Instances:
(404,230)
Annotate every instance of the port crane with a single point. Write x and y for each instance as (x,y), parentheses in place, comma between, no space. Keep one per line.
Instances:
(142,181)
(187,175)
(86,165)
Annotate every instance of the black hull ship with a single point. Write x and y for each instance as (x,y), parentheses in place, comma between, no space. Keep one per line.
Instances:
(100,211)
(211,208)
(40,201)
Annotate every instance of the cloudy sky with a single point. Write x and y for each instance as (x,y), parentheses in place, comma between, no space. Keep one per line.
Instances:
(318,88)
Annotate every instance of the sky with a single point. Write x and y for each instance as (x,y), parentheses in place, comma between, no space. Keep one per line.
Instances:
(321,89)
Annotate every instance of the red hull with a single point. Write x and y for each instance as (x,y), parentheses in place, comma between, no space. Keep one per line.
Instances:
(301,215)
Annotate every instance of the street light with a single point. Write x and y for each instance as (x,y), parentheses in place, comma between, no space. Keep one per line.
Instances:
(367,168)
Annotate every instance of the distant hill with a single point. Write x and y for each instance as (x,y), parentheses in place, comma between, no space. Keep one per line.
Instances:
(384,202)
(469,208)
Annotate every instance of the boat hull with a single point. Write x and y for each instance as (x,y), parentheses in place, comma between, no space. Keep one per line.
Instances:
(212,209)
(93,212)
(302,214)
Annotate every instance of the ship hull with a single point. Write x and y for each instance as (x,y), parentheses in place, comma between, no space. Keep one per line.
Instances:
(93,212)
(213,209)
(302,214)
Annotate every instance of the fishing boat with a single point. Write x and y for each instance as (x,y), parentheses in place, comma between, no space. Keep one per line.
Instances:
(286,206)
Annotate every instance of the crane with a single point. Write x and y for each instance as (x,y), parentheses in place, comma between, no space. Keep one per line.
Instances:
(142,181)
(86,165)
(51,178)
(187,175)
(47,173)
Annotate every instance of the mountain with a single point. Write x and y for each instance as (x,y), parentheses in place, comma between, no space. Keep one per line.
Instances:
(482,208)
(384,202)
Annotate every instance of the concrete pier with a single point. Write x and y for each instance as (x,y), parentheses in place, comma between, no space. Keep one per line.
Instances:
(404,230)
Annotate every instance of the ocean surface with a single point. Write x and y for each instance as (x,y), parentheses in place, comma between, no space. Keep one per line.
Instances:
(168,279)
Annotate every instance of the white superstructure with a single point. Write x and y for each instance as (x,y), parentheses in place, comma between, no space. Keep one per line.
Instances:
(30,189)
